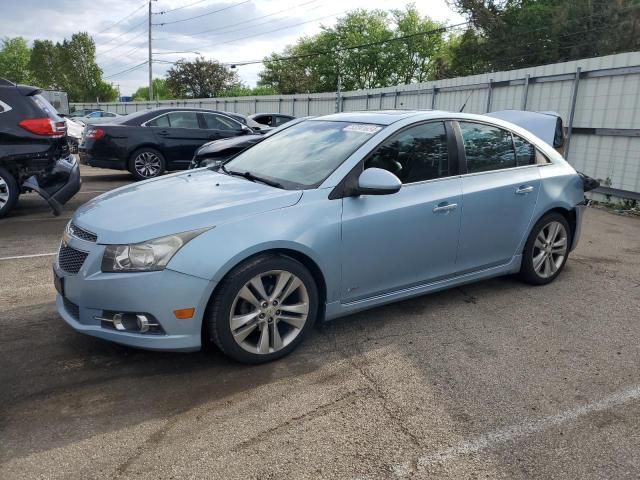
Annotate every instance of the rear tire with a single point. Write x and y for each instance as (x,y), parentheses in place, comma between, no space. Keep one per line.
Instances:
(146,163)
(546,251)
(9,192)
(263,309)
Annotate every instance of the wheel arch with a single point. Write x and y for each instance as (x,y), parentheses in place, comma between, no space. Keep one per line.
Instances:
(567,212)
(306,260)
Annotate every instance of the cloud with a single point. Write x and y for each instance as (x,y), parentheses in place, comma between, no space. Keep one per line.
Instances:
(244,30)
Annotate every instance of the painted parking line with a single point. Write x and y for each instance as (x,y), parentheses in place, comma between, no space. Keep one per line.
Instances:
(35,255)
(524,429)
(32,219)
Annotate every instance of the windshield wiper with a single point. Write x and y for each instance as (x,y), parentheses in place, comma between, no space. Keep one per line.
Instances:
(251,177)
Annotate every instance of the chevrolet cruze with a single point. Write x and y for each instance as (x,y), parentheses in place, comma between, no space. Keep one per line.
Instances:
(334,215)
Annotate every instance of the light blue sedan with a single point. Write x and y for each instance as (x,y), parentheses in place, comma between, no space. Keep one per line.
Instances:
(334,215)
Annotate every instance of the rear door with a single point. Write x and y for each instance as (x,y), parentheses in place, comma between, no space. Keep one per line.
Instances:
(500,190)
(220,126)
(178,135)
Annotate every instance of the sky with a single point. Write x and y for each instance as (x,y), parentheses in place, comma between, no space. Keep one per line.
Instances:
(230,31)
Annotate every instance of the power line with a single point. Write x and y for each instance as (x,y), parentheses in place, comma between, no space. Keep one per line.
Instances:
(120,45)
(201,15)
(354,47)
(179,8)
(127,70)
(122,19)
(124,33)
(272,31)
(251,20)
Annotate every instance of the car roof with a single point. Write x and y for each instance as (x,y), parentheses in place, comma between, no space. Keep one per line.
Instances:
(380,117)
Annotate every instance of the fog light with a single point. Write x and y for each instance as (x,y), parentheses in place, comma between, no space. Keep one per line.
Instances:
(143,323)
(130,322)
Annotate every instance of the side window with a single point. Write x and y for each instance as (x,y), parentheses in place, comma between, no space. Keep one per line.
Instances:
(416,154)
(525,152)
(183,120)
(487,148)
(162,121)
(281,120)
(218,122)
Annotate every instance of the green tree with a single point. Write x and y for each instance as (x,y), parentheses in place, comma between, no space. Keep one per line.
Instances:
(14,60)
(244,91)
(512,34)
(45,65)
(200,79)
(80,75)
(361,50)
(160,91)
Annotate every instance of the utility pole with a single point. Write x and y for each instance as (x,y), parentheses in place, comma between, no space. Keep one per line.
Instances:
(150,59)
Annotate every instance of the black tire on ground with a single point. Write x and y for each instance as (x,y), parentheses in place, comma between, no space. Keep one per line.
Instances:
(152,155)
(528,273)
(217,318)
(9,192)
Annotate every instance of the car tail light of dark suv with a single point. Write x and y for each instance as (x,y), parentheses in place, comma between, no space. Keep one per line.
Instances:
(94,133)
(44,126)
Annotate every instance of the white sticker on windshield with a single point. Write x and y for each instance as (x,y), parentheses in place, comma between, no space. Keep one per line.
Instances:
(362,128)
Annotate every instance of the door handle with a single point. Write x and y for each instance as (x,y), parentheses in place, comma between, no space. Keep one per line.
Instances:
(523,190)
(445,207)
(163,133)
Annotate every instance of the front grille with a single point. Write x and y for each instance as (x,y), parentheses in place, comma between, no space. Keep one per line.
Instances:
(71,308)
(70,259)
(78,232)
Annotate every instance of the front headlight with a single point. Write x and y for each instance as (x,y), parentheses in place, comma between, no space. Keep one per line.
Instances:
(148,256)
(211,162)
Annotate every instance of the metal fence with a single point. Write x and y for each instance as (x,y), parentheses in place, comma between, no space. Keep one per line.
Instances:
(598,98)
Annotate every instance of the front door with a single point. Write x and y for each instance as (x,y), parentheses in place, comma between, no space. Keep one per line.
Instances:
(395,241)
(499,192)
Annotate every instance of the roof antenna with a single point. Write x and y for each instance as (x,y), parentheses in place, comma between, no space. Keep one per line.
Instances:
(465,102)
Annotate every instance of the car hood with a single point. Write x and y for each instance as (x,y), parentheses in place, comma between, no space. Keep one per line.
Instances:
(177,203)
(223,144)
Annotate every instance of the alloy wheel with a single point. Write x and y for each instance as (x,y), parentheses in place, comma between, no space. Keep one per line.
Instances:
(269,312)
(550,249)
(4,192)
(147,164)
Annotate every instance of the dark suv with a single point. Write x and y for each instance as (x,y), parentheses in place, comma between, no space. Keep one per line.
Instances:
(34,154)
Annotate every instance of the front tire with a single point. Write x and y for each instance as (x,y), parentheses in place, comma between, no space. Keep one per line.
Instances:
(146,163)
(9,192)
(546,251)
(263,309)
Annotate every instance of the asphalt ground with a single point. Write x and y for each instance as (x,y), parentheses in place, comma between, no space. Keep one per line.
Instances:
(493,380)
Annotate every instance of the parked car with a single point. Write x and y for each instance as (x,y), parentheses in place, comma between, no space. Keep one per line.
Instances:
(271,119)
(215,153)
(34,155)
(150,142)
(96,117)
(334,215)
(249,122)
(83,112)
(74,133)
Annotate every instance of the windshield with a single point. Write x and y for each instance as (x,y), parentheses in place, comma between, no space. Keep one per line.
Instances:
(304,155)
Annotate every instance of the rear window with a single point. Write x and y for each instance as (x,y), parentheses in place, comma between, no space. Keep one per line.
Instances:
(45,106)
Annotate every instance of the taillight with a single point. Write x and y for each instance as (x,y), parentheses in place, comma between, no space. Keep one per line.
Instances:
(44,126)
(95,133)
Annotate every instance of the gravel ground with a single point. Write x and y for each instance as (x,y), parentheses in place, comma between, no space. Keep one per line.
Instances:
(493,380)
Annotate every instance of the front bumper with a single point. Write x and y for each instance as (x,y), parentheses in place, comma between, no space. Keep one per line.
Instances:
(90,293)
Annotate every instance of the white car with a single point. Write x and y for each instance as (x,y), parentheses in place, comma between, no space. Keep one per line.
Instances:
(97,117)
(74,133)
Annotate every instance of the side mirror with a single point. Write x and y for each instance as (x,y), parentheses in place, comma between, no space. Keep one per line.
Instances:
(376,181)
(246,130)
